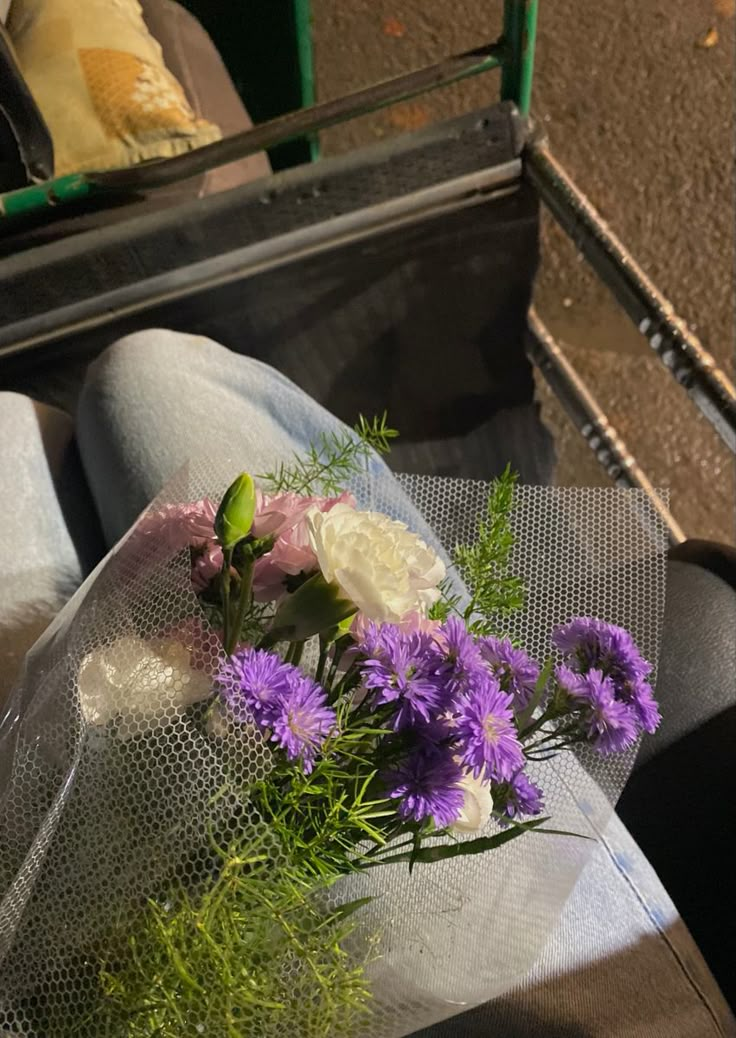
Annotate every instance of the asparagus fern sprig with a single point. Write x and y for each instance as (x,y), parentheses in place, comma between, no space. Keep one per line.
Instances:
(328,465)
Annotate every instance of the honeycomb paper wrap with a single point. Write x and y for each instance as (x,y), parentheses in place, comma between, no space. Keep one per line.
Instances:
(96,815)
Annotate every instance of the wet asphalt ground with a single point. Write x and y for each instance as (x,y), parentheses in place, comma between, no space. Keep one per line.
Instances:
(637,100)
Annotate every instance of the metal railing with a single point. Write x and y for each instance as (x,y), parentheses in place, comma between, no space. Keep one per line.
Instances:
(694,369)
(679,349)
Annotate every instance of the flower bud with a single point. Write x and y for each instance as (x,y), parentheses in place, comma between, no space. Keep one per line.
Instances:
(235,515)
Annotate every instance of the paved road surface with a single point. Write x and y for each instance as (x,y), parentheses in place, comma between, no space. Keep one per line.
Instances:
(642,117)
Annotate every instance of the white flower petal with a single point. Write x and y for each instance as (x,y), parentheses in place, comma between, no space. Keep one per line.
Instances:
(135,680)
(385,569)
(477,806)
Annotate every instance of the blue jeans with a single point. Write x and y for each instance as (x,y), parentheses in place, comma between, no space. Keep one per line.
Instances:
(620,961)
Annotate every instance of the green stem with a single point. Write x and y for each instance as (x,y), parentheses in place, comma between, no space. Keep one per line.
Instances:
(227,558)
(379,848)
(548,752)
(361,711)
(297,650)
(244,603)
(348,676)
(558,733)
(548,715)
(324,648)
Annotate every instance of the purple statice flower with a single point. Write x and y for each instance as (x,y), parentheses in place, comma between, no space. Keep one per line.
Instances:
(458,658)
(302,720)
(400,670)
(426,784)
(590,643)
(487,739)
(253,683)
(607,723)
(517,798)
(516,672)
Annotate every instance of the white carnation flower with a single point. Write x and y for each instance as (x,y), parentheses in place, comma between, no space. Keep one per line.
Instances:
(477,806)
(138,682)
(383,568)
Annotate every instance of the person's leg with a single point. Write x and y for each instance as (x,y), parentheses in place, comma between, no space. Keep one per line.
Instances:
(156,399)
(39,562)
(619,964)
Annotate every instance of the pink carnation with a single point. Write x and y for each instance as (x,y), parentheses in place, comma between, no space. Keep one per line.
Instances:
(193,526)
(190,525)
(206,566)
(284,517)
(181,526)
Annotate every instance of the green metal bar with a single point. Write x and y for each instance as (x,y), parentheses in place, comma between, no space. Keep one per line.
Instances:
(529,44)
(512,39)
(305,56)
(519,38)
(300,123)
(304,121)
(43,196)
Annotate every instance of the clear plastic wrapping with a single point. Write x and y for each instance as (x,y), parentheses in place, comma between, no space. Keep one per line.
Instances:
(97,814)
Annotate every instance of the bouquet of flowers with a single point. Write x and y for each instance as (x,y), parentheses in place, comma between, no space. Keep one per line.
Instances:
(240,756)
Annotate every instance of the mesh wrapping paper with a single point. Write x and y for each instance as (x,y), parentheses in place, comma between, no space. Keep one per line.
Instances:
(94,821)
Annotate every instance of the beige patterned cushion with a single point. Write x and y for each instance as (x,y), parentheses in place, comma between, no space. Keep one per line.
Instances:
(99,79)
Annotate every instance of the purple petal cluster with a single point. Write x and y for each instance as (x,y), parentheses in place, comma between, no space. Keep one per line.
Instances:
(517,798)
(426,784)
(590,643)
(401,670)
(253,683)
(448,708)
(516,672)
(607,723)
(487,738)
(303,722)
(258,686)
(458,661)
(607,676)
(448,705)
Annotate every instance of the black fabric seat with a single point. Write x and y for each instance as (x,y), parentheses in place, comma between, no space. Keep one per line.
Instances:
(425,319)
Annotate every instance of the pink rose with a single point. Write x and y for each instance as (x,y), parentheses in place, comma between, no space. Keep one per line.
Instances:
(284,516)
